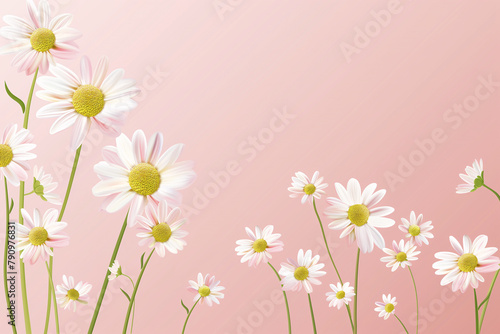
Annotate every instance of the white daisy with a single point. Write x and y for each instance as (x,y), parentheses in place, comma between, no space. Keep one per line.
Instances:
(301,273)
(387,307)
(464,267)
(115,271)
(38,235)
(356,214)
(259,247)
(44,187)
(138,173)
(92,99)
(207,289)
(68,293)
(400,255)
(341,295)
(15,147)
(416,230)
(474,178)
(161,229)
(302,186)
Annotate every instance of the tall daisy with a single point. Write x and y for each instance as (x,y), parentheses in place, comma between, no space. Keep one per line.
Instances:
(40,40)
(259,247)
(302,273)
(137,173)
(207,289)
(355,213)
(473,179)
(68,293)
(400,255)
(387,307)
(93,98)
(417,230)
(15,147)
(44,187)
(340,295)
(307,188)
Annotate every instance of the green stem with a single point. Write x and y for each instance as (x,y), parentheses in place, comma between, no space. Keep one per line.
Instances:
(53,291)
(28,104)
(189,314)
(133,311)
(312,313)
(132,298)
(49,305)
(476,312)
(416,294)
(493,191)
(350,316)
(32,192)
(487,300)
(356,293)
(286,299)
(401,323)
(106,281)
(6,250)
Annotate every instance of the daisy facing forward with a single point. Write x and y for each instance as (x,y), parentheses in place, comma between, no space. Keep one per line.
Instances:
(44,187)
(207,290)
(465,267)
(301,273)
(473,179)
(400,255)
(259,247)
(355,213)
(341,295)
(68,294)
(15,147)
(416,230)
(307,188)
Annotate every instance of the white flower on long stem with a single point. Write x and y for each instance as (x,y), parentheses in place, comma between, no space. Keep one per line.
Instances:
(307,188)
(355,213)
(15,147)
(341,295)
(417,230)
(207,289)
(44,187)
(465,267)
(68,293)
(115,270)
(387,307)
(473,179)
(400,255)
(301,273)
(259,247)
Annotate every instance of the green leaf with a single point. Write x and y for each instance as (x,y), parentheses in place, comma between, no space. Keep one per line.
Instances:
(126,294)
(142,259)
(185,307)
(11,205)
(15,98)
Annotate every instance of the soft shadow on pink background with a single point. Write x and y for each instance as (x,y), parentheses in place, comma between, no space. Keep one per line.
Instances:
(215,81)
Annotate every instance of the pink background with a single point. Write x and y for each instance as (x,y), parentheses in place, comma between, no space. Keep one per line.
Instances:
(357,116)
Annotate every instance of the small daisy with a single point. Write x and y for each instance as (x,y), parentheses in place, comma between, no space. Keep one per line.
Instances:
(207,289)
(115,270)
(302,186)
(259,247)
(465,267)
(355,213)
(38,235)
(138,173)
(160,229)
(44,187)
(417,231)
(400,255)
(341,295)
(38,41)
(92,99)
(473,179)
(68,293)
(301,273)
(386,308)
(15,147)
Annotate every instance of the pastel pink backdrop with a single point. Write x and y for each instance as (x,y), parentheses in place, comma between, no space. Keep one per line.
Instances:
(228,75)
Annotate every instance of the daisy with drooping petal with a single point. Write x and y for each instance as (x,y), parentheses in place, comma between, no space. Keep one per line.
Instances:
(473,179)
(416,230)
(207,289)
(301,273)
(41,40)
(341,295)
(138,173)
(387,307)
(115,270)
(465,267)
(355,213)
(400,255)
(92,99)
(160,229)
(68,293)
(38,235)
(259,247)
(307,188)
(15,147)
(44,187)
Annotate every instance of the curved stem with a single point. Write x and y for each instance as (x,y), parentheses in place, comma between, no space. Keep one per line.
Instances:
(136,287)
(189,314)
(476,312)
(416,295)
(401,323)
(286,299)
(487,300)
(493,191)
(312,313)
(51,282)
(6,250)
(133,311)
(356,274)
(350,316)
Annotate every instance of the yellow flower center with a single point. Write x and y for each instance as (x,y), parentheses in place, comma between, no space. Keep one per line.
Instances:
(389,308)
(401,257)
(38,236)
(42,39)
(144,179)
(162,232)
(301,273)
(6,155)
(260,245)
(204,291)
(88,100)
(467,262)
(358,214)
(309,189)
(73,294)
(340,294)
(414,230)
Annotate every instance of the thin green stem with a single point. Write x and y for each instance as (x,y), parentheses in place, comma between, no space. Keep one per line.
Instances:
(133,311)
(350,316)
(6,250)
(49,305)
(416,294)
(132,298)
(487,300)
(493,191)
(401,323)
(356,274)
(312,313)
(28,103)
(32,192)
(476,312)
(189,314)
(106,281)
(286,299)
(52,290)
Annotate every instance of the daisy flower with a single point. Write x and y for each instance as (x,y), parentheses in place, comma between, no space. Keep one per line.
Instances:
(417,231)
(307,188)
(68,293)
(115,270)
(473,179)
(160,228)
(400,255)
(387,307)
(41,39)
(465,267)
(355,213)
(92,99)
(138,173)
(341,295)
(44,187)
(207,289)
(259,247)
(39,234)
(15,147)
(301,273)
